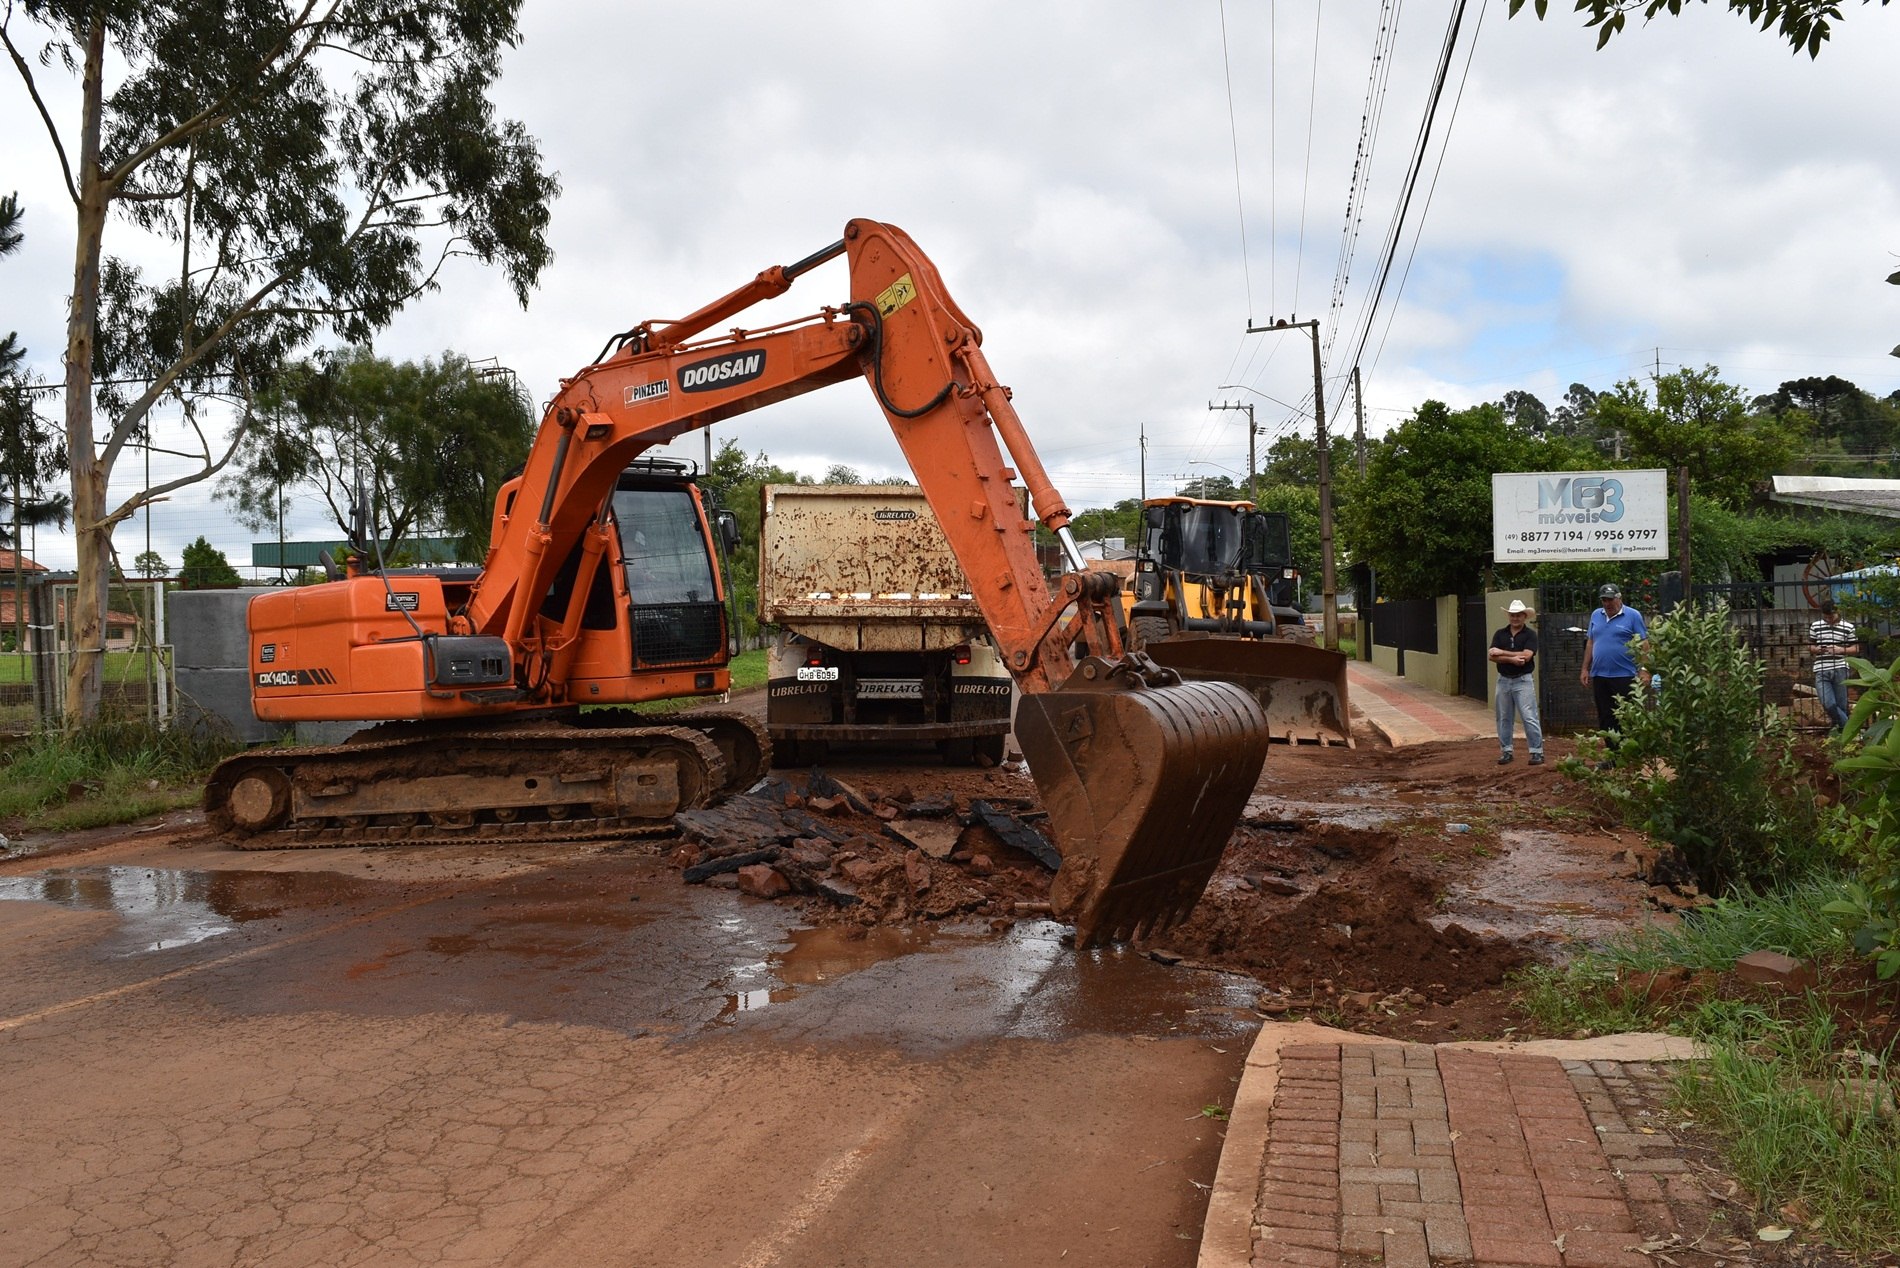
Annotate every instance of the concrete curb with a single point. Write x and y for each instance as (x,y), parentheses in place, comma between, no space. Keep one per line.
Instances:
(1227,1232)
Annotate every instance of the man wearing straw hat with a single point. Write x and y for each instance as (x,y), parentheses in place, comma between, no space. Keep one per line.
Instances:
(1514,652)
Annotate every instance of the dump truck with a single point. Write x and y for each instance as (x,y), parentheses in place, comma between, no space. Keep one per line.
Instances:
(880,640)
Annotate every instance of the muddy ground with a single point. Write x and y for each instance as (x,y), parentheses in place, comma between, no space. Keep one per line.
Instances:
(1393,890)
(575,1054)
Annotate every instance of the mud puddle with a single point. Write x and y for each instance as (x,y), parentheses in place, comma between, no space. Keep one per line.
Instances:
(1538,891)
(935,989)
(161,909)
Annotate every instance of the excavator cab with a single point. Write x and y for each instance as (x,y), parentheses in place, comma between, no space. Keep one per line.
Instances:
(1216,598)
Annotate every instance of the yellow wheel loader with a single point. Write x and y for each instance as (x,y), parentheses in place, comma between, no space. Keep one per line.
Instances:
(1216,599)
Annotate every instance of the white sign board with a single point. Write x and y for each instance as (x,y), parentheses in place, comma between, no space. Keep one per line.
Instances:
(1565,515)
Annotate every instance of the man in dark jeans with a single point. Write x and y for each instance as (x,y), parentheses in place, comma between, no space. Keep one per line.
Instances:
(1609,662)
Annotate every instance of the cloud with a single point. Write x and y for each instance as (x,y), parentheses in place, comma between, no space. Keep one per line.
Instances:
(1692,194)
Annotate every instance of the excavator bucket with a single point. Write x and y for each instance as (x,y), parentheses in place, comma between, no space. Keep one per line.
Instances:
(1143,785)
(1302,688)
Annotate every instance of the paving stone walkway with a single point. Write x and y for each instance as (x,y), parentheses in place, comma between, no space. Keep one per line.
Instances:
(1408,1155)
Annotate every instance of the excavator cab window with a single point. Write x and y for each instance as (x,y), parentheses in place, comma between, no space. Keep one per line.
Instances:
(676,613)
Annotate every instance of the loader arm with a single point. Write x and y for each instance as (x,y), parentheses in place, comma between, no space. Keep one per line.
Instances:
(1143,776)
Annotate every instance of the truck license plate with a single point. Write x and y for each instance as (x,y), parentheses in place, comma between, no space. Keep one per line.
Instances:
(891,688)
(818,673)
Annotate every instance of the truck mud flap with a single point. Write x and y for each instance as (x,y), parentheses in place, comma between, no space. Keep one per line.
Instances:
(1143,786)
(1301,688)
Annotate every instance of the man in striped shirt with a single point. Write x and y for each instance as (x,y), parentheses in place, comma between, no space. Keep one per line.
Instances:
(1832,641)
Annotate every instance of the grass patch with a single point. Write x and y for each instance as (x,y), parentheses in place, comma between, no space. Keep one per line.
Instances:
(749,670)
(1810,1123)
(1807,1118)
(111,772)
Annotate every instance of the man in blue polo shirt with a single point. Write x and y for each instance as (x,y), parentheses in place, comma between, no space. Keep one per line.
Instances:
(1609,662)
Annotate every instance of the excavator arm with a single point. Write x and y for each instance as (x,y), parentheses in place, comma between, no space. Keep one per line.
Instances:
(1143,776)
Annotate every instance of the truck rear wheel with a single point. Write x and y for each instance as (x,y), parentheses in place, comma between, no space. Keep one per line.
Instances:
(787,753)
(989,750)
(957,752)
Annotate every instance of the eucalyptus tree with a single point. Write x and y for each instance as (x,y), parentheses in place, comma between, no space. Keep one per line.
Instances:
(308,166)
(428,444)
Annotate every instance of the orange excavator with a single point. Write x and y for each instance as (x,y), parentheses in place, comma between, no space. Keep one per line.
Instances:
(479,682)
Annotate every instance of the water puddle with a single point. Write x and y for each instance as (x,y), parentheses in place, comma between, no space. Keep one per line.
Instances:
(815,957)
(158,910)
(1542,888)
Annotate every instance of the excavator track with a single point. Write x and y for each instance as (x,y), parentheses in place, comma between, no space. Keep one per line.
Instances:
(544,784)
(742,739)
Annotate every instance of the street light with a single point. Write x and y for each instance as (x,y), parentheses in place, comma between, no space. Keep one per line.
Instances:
(1301,410)
(1202,462)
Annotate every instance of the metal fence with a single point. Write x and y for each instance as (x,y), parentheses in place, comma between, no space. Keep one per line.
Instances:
(136,679)
(1772,619)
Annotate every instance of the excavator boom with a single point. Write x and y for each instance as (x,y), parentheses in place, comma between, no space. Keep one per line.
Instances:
(1143,777)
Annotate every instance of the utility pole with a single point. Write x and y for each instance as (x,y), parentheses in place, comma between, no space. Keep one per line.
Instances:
(1252,493)
(1144,462)
(1359,414)
(1329,594)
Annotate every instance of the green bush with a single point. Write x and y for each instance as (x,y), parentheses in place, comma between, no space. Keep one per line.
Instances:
(1867,827)
(1705,767)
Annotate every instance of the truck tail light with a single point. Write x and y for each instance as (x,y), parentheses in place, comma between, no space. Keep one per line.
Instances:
(814,656)
(961,654)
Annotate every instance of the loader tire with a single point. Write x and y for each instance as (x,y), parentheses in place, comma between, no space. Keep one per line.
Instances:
(1149,629)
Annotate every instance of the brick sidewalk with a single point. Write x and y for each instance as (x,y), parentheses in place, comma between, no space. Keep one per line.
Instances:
(1411,1155)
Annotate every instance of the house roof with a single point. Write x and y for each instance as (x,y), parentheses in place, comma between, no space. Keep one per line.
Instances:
(1841,493)
(10,559)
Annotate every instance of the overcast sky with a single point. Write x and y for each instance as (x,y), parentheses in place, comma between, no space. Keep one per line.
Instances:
(1693,195)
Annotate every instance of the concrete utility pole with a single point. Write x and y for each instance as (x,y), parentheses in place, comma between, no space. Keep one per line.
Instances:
(1329,594)
(1359,414)
(1253,494)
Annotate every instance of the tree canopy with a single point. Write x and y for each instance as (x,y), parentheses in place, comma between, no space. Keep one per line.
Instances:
(1422,516)
(1699,422)
(31,457)
(314,167)
(428,444)
(1803,24)
(205,567)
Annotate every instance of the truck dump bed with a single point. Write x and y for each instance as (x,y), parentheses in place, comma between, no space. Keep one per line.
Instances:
(862,567)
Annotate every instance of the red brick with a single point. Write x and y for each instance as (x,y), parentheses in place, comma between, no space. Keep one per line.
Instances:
(1270,1252)
(1513,1250)
(1293,1235)
(1285,1188)
(1642,1188)
(1602,1250)
(1275,1203)
(1775,969)
(1446,1237)
(1276,1216)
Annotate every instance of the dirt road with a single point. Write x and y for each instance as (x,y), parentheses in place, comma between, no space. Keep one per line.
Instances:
(568,1056)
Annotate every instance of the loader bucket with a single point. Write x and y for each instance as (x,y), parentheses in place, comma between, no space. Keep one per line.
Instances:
(1143,785)
(1301,688)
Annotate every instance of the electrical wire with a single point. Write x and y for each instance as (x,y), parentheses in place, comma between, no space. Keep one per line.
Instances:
(1425,210)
